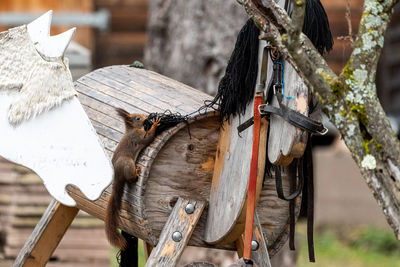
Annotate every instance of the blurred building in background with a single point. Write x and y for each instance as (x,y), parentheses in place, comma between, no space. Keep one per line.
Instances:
(112,32)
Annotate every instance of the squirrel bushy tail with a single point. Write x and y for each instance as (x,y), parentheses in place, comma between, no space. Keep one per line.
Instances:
(112,215)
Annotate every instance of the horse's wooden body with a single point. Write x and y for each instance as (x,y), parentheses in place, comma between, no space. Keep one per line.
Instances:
(175,165)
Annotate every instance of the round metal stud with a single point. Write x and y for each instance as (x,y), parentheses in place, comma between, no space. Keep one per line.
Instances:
(177,236)
(254,245)
(189,208)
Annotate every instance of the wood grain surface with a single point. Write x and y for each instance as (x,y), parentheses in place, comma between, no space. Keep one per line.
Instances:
(46,235)
(168,251)
(176,164)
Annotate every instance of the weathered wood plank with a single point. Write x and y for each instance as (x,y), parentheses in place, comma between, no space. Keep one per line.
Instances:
(154,86)
(106,131)
(104,119)
(167,82)
(106,99)
(46,235)
(138,91)
(93,103)
(226,213)
(140,98)
(151,88)
(168,251)
(111,92)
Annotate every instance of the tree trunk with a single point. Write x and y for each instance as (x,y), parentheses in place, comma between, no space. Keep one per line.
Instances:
(191,41)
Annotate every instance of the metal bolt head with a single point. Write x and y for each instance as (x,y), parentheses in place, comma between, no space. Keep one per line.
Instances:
(189,208)
(254,245)
(177,236)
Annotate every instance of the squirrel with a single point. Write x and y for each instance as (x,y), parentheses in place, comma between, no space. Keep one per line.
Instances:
(125,170)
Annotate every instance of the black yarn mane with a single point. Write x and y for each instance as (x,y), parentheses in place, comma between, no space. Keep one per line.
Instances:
(236,88)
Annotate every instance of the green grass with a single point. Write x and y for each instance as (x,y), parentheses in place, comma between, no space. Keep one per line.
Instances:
(366,247)
(360,247)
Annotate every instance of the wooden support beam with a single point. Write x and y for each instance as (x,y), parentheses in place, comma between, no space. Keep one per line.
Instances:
(147,249)
(46,236)
(168,251)
(260,256)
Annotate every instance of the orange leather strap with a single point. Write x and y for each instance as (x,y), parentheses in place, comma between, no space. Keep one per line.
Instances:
(251,195)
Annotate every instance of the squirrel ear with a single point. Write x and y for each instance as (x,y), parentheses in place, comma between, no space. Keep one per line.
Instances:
(124,114)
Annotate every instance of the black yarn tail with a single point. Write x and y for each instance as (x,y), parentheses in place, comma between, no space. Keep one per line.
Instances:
(129,256)
(316,26)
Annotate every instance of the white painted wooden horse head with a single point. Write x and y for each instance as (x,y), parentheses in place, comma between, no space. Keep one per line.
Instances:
(42,124)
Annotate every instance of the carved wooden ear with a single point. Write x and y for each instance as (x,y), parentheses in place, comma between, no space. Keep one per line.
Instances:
(49,47)
(53,47)
(39,29)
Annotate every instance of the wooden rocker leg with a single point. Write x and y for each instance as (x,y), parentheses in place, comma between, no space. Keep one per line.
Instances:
(176,233)
(46,236)
(147,249)
(259,255)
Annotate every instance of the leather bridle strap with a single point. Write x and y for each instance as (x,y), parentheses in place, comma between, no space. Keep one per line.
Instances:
(275,87)
(309,178)
(278,183)
(251,194)
(293,117)
(296,178)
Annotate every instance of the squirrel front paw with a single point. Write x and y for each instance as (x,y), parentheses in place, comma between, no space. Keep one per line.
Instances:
(138,168)
(156,122)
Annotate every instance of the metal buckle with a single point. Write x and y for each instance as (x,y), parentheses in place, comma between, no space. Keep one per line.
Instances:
(324,131)
(259,109)
(274,89)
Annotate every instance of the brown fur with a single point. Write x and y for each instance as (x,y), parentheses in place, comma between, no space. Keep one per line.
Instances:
(125,170)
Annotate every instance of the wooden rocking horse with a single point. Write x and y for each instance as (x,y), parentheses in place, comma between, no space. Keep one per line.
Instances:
(193,186)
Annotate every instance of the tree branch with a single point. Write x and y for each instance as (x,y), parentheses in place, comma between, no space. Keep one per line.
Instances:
(360,72)
(299,7)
